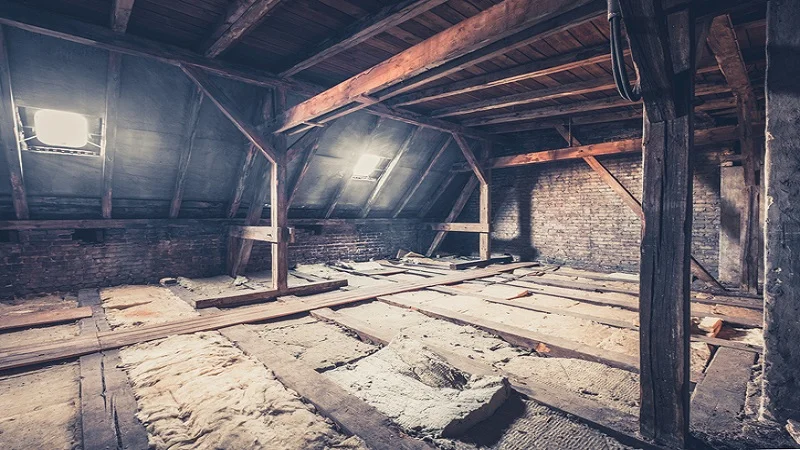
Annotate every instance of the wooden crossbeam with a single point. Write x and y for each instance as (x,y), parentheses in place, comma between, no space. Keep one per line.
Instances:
(360,31)
(459,227)
(121,14)
(228,107)
(499,21)
(461,201)
(722,40)
(9,132)
(196,103)
(262,233)
(702,137)
(384,177)
(241,18)
(421,178)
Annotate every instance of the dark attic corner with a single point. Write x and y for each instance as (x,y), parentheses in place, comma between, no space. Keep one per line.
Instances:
(399,224)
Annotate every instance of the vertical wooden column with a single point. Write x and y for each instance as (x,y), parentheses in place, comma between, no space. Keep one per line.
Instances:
(485,201)
(279,206)
(109,142)
(782,237)
(663,50)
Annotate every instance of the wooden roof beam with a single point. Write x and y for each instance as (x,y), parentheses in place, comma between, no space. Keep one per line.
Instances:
(360,31)
(384,178)
(8,135)
(195,103)
(242,17)
(702,137)
(428,168)
(485,28)
(472,161)
(121,15)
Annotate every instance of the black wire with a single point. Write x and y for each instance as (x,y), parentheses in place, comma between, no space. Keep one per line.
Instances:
(619,70)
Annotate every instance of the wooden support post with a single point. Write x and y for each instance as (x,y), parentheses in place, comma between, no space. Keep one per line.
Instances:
(461,201)
(196,102)
(108,146)
(485,210)
(279,207)
(782,272)
(9,133)
(722,40)
(662,46)
(384,178)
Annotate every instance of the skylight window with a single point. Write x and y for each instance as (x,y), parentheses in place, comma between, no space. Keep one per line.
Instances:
(61,128)
(366,166)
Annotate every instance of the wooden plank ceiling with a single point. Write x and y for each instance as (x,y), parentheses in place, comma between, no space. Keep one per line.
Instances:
(563,78)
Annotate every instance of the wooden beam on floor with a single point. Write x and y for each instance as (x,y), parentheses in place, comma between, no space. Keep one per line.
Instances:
(241,17)
(421,178)
(108,146)
(360,31)
(108,406)
(781,383)
(121,14)
(624,194)
(250,297)
(37,319)
(662,48)
(380,185)
(35,354)
(702,137)
(195,103)
(353,415)
(459,205)
(531,340)
(483,262)
(718,400)
(723,42)
(9,132)
(617,424)
(493,24)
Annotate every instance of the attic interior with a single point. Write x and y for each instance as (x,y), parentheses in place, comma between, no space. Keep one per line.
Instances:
(415,224)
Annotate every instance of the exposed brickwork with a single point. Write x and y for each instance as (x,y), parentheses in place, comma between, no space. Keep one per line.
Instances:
(564,213)
(51,260)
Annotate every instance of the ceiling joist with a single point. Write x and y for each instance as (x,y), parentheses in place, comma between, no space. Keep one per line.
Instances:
(242,17)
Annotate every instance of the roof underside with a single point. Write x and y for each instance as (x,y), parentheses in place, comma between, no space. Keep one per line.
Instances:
(155,103)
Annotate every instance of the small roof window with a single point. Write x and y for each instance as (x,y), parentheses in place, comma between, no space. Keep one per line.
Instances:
(61,128)
(367,164)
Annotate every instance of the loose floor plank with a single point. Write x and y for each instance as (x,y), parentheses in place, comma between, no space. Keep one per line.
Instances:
(11,322)
(480,262)
(249,297)
(352,414)
(26,355)
(521,337)
(720,397)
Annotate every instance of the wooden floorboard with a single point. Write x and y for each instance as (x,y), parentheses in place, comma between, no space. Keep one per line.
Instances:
(34,354)
(250,297)
(15,321)
(720,397)
(108,406)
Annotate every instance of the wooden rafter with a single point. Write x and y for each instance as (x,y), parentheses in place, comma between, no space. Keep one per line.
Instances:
(242,17)
(437,194)
(348,173)
(238,190)
(387,173)
(305,163)
(121,14)
(108,147)
(421,179)
(472,161)
(458,206)
(702,137)
(9,134)
(360,31)
(228,107)
(489,26)
(195,103)
(723,42)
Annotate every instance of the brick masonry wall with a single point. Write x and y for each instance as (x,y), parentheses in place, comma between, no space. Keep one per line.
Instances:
(45,261)
(564,213)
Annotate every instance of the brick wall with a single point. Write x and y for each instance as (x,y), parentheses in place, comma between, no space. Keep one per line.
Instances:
(57,261)
(564,213)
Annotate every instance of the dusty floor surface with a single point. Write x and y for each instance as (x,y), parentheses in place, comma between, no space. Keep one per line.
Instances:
(39,334)
(201,392)
(41,409)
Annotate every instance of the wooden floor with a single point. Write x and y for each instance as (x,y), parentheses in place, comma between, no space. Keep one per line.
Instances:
(551,314)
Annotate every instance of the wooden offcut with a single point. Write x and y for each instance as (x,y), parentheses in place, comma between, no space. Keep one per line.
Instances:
(36,319)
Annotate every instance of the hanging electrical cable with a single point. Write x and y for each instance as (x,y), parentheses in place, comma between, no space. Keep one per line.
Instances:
(628,92)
